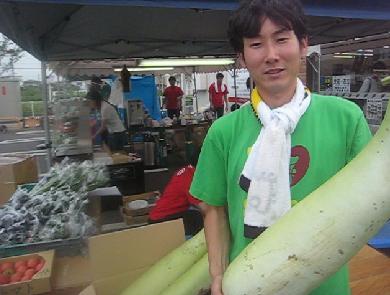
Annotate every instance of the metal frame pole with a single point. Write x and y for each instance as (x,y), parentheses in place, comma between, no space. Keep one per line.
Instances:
(195,92)
(45,97)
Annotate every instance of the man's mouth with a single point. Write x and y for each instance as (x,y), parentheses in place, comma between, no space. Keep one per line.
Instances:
(274,71)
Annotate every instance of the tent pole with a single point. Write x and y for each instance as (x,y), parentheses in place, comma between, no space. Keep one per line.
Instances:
(45,98)
(195,92)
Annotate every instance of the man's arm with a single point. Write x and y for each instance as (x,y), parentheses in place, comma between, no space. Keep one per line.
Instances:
(103,127)
(179,98)
(218,241)
(226,102)
(211,100)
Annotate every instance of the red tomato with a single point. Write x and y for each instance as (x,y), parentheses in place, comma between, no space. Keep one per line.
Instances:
(40,266)
(30,272)
(21,269)
(6,266)
(16,277)
(20,263)
(25,278)
(4,279)
(33,262)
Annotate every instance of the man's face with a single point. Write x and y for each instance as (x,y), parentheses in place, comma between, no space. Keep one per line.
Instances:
(219,80)
(273,59)
(172,82)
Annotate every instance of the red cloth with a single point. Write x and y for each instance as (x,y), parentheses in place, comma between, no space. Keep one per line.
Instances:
(176,197)
(171,94)
(217,94)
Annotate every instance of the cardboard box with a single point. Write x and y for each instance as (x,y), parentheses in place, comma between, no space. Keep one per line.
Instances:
(18,169)
(7,189)
(118,158)
(118,258)
(150,197)
(41,281)
(136,220)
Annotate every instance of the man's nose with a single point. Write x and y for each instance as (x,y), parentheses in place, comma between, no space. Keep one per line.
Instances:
(271,53)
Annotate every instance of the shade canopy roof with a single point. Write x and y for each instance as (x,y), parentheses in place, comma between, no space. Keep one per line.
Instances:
(60,30)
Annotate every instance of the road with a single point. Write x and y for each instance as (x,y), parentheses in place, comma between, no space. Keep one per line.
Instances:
(25,141)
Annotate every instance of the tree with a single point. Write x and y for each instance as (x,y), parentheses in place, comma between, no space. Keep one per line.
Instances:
(10,53)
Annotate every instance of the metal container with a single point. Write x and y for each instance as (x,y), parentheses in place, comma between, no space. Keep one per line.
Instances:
(150,153)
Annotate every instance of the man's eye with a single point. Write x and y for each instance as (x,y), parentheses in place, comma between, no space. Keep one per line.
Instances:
(255,44)
(282,39)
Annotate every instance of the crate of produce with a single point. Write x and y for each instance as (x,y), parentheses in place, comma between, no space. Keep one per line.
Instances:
(27,274)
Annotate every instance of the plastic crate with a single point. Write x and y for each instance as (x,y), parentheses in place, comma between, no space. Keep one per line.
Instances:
(381,241)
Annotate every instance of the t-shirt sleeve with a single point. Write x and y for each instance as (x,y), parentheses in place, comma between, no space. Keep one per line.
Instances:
(209,182)
(180,91)
(361,137)
(211,88)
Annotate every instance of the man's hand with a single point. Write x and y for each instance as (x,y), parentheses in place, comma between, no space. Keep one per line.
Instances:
(226,108)
(216,286)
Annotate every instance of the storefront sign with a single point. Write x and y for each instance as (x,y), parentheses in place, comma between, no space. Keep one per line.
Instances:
(341,84)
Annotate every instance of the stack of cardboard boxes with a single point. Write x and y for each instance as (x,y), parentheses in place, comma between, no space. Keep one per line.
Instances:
(16,170)
(139,216)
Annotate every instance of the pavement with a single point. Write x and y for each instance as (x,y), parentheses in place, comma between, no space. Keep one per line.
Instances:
(25,141)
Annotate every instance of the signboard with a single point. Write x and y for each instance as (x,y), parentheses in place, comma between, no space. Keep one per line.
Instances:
(241,77)
(341,83)
(374,109)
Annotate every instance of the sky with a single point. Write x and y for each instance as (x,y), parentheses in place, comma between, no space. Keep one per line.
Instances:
(28,67)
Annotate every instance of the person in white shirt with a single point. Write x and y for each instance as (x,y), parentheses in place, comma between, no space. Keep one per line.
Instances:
(111,122)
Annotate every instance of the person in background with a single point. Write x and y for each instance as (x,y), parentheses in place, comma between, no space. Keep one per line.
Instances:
(110,121)
(218,92)
(373,83)
(177,202)
(101,86)
(299,138)
(172,98)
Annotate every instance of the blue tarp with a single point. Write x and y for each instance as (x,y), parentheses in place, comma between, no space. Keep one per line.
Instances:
(144,88)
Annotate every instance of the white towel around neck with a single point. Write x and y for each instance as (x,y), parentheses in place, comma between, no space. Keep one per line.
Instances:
(267,166)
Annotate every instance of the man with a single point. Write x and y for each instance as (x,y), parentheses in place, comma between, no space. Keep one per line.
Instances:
(172,98)
(218,96)
(373,82)
(270,154)
(111,122)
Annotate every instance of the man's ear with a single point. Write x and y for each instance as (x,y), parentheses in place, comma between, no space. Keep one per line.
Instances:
(304,44)
(241,59)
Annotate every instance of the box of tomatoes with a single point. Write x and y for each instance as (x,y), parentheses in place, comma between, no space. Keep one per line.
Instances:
(26,274)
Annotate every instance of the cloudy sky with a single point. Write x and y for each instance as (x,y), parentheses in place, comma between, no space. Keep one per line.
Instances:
(28,67)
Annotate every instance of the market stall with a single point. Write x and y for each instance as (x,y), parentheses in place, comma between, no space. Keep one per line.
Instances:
(73,30)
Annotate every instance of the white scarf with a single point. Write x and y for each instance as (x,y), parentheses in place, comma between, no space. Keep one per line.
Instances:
(267,166)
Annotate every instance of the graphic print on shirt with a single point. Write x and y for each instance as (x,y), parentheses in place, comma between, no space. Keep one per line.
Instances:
(299,163)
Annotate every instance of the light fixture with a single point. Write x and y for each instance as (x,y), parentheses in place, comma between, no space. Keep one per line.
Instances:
(181,62)
(343,56)
(155,69)
(386,47)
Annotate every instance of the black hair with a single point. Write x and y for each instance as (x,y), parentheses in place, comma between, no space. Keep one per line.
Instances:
(172,78)
(247,20)
(96,79)
(94,94)
(219,75)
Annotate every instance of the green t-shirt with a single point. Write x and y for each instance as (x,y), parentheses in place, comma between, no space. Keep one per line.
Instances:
(329,134)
